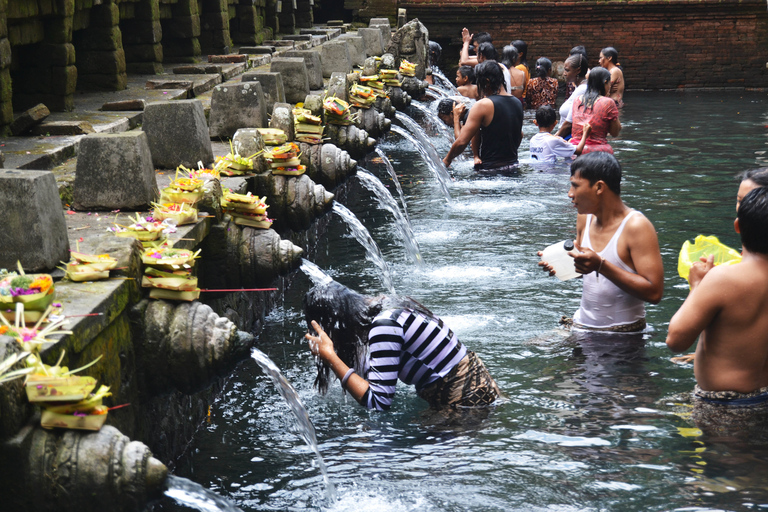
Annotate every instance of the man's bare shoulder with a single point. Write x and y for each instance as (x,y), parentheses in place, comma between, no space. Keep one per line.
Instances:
(639,226)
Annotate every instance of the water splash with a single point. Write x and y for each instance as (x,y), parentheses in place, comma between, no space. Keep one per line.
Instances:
(315,273)
(393,175)
(387,202)
(444,82)
(435,165)
(434,120)
(440,92)
(372,251)
(193,495)
(306,429)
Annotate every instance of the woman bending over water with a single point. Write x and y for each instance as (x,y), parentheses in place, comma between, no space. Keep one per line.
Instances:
(374,341)
(600,111)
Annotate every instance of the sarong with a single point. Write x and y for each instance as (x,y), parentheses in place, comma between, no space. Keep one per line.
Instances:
(636,326)
(508,169)
(730,413)
(468,385)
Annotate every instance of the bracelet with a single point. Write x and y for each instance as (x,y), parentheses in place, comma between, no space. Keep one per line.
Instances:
(346,378)
(600,266)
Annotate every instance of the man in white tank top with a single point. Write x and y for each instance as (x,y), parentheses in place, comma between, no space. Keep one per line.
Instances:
(617,249)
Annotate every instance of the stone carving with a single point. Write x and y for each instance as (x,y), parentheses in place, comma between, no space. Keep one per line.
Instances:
(327,164)
(351,139)
(399,98)
(411,42)
(372,121)
(294,201)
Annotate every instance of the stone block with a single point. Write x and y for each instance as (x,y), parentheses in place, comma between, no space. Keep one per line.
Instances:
(124,105)
(282,118)
(27,120)
(374,42)
(114,171)
(56,55)
(235,106)
(356,48)
(338,86)
(101,63)
(295,77)
(144,68)
(63,128)
(383,25)
(257,50)
(227,59)
(63,80)
(142,31)
(34,230)
(177,133)
(314,66)
(271,86)
(152,52)
(336,58)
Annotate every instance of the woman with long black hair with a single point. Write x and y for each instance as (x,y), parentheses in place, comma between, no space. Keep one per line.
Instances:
(597,109)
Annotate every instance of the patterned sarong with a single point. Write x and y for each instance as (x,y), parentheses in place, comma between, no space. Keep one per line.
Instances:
(468,385)
(730,413)
(636,326)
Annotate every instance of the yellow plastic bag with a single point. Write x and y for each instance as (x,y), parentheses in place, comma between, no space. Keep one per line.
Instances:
(705,246)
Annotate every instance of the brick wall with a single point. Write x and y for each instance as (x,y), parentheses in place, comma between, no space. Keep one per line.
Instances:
(661,44)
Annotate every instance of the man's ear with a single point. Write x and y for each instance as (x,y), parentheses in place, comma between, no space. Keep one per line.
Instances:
(535,122)
(600,186)
(736,225)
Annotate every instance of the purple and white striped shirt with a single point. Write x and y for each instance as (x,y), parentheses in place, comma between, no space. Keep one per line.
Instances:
(414,347)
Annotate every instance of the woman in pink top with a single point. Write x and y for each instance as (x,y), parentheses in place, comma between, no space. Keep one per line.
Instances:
(597,109)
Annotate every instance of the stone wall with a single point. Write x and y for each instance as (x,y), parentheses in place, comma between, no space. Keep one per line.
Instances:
(661,44)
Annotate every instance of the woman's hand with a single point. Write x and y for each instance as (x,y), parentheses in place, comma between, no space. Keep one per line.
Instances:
(321,344)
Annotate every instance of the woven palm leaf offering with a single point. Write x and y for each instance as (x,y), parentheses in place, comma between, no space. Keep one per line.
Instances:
(169,273)
(179,213)
(89,267)
(337,111)
(284,160)
(185,189)
(247,210)
(407,68)
(361,96)
(307,127)
(35,291)
(375,83)
(142,229)
(273,136)
(232,164)
(389,77)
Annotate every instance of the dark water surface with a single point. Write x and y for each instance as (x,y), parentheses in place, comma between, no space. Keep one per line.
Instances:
(588,425)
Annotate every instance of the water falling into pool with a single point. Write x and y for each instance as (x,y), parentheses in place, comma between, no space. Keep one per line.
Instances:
(435,165)
(314,272)
(433,120)
(395,180)
(192,495)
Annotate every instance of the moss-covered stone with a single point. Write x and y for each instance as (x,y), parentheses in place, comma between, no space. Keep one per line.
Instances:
(64,80)
(6,86)
(22,9)
(29,32)
(105,14)
(59,30)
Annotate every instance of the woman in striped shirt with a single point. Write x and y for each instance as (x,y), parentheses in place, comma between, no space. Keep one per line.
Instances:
(374,341)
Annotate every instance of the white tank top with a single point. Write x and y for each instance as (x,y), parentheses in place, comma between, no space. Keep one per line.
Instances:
(603,304)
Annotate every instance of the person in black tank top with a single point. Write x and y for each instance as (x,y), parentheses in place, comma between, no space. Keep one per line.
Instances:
(497,118)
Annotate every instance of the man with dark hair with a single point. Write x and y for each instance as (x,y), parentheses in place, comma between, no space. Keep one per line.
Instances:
(465,82)
(728,307)
(465,59)
(617,250)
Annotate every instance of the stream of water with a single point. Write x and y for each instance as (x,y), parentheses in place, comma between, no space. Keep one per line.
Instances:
(589,423)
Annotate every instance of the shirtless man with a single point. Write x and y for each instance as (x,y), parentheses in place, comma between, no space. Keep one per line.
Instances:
(465,59)
(728,306)
(465,78)
(617,250)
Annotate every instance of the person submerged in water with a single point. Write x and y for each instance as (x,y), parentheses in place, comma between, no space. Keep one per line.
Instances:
(617,250)
(374,341)
(727,310)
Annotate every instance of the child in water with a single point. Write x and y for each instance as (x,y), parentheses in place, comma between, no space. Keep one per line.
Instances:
(546,147)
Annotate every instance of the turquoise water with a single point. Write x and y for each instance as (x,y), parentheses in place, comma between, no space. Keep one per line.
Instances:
(588,424)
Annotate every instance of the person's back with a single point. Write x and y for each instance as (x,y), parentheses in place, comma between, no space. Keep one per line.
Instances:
(501,138)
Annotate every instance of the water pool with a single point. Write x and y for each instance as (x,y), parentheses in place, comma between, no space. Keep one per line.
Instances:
(588,424)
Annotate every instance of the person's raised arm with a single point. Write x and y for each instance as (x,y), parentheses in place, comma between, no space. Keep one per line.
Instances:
(464,57)
(703,303)
(648,283)
(475,118)
(322,346)
(587,129)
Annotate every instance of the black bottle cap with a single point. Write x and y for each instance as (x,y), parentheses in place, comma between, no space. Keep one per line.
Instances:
(568,245)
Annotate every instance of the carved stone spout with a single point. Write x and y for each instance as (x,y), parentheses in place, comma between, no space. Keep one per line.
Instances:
(372,121)
(187,345)
(384,105)
(351,139)
(55,470)
(413,86)
(399,98)
(327,164)
(294,201)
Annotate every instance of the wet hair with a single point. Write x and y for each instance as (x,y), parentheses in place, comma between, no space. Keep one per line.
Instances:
(467,72)
(489,78)
(610,52)
(577,60)
(599,166)
(482,37)
(753,221)
(445,107)
(509,55)
(346,316)
(543,67)
(579,50)
(598,77)
(758,176)
(435,50)
(488,51)
(522,49)
(545,116)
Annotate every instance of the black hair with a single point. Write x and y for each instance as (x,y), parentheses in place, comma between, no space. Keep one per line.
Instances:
(753,221)
(758,176)
(579,50)
(489,78)
(488,51)
(610,52)
(467,72)
(445,107)
(580,61)
(599,166)
(346,316)
(482,37)
(545,116)
(543,67)
(435,50)
(598,77)
(509,56)
(522,49)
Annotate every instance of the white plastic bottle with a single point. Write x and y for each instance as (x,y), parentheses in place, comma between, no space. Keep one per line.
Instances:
(557,256)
